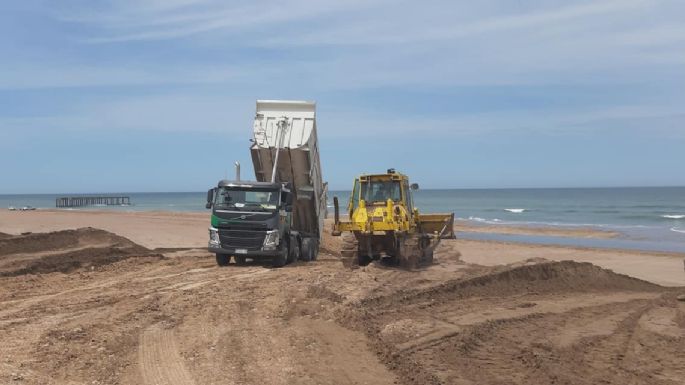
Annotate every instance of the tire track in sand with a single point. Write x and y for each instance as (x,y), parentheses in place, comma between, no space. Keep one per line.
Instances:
(159,360)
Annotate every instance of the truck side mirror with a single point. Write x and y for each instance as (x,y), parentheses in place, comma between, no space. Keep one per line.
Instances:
(210,198)
(289,199)
(414,186)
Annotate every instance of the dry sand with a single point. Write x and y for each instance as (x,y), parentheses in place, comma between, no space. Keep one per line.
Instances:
(90,306)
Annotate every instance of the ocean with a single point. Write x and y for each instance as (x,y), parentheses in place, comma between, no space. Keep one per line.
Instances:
(648,218)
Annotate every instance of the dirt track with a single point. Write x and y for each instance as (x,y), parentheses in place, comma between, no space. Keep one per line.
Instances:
(136,317)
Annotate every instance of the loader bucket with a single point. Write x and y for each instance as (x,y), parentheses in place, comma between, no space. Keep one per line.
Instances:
(440,224)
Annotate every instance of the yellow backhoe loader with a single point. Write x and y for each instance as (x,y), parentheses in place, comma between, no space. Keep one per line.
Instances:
(383,223)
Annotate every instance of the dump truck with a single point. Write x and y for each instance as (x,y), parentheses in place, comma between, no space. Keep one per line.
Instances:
(280,215)
(383,222)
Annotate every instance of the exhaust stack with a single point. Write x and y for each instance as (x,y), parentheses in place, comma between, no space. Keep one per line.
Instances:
(237,171)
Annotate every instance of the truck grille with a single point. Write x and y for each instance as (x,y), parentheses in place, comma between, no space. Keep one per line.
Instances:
(242,239)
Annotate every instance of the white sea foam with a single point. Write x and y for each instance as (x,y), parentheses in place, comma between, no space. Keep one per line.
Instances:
(515,211)
(678,230)
(496,221)
(483,220)
(673,216)
(477,219)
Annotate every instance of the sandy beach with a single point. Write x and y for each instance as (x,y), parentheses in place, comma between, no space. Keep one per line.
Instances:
(133,298)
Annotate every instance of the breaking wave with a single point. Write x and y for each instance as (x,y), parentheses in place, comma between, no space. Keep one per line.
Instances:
(497,221)
(678,230)
(673,216)
(515,211)
(494,221)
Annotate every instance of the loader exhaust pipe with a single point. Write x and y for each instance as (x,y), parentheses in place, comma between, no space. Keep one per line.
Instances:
(237,171)
(336,220)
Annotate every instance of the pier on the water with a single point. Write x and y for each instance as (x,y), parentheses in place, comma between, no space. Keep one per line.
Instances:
(92,201)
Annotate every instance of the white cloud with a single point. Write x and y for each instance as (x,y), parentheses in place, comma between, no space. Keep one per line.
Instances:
(326,46)
(124,21)
(405,28)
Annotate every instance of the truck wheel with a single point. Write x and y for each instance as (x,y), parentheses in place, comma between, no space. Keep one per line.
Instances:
(294,252)
(223,259)
(310,249)
(305,251)
(315,251)
(240,260)
(282,258)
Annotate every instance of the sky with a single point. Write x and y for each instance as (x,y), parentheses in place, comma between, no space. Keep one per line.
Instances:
(159,95)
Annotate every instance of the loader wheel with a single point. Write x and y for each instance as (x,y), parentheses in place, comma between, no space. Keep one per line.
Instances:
(223,259)
(240,260)
(349,253)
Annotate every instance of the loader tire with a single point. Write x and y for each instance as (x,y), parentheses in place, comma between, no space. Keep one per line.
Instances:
(349,253)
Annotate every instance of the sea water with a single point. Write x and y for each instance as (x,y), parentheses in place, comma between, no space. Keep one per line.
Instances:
(648,218)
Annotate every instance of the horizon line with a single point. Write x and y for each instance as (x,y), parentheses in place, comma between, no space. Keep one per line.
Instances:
(346,190)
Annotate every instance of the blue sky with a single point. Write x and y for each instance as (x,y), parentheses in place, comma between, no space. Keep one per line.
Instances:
(158,95)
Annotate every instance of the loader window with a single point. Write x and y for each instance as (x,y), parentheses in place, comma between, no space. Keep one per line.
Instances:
(381,191)
(354,199)
(408,196)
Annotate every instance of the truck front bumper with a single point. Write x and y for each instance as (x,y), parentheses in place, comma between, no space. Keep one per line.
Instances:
(248,254)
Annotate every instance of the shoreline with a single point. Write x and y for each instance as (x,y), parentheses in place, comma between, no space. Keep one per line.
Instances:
(71,220)
(175,230)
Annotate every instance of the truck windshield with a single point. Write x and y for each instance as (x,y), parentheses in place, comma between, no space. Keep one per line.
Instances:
(380,191)
(246,199)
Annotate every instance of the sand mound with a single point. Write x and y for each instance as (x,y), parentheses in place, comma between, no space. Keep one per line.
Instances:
(64,251)
(542,277)
(59,240)
(535,322)
(5,236)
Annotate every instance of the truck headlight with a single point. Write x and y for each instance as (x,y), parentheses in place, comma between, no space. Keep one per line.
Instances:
(214,237)
(271,240)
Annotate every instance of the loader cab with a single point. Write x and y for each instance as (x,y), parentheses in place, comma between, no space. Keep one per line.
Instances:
(376,189)
(379,190)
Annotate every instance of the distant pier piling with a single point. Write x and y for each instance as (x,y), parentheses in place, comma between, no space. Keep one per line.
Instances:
(92,201)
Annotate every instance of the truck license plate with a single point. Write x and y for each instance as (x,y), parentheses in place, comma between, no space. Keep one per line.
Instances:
(241,251)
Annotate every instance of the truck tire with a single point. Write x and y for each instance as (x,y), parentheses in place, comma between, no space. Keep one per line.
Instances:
(223,259)
(310,249)
(315,250)
(282,258)
(294,252)
(240,260)
(306,250)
